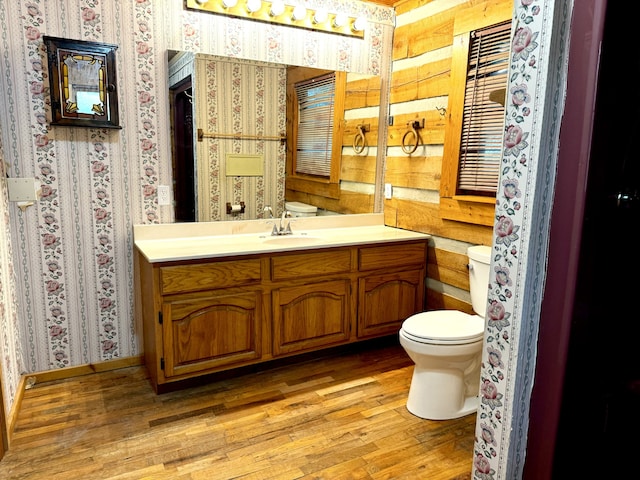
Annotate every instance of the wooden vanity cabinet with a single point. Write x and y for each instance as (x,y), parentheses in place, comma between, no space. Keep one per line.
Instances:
(216,314)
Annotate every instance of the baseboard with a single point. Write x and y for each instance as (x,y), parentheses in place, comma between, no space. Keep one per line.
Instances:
(78,370)
(15,409)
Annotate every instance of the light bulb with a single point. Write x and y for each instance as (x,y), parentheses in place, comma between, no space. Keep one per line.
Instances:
(229,3)
(359,24)
(299,12)
(253,5)
(277,7)
(320,16)
(340,20)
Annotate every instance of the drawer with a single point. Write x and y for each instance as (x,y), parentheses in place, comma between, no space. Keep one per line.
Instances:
(207,276)
(389,256)
(310,264)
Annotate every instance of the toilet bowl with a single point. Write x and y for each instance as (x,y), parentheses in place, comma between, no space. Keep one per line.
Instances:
(446,346)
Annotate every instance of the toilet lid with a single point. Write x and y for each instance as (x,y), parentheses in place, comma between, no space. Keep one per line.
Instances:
(444,326)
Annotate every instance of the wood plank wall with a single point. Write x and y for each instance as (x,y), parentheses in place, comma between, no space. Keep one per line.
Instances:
(422,46)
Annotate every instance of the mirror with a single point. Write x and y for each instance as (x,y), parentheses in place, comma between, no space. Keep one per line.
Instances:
(229,115)
(82,83)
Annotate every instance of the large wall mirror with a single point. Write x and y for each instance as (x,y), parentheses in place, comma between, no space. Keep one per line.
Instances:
(228,124)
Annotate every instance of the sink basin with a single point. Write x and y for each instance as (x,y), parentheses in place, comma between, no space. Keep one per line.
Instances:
(292,240)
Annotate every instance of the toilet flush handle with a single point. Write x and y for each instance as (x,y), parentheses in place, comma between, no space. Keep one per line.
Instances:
(469,266)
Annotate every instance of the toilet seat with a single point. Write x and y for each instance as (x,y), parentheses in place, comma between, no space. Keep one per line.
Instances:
(444,327)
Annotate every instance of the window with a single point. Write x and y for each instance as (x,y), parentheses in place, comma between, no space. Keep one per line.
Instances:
(315,127)
(475,122)
(483,116)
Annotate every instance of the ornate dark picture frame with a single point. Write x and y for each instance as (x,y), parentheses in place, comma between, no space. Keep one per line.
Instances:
(82,83)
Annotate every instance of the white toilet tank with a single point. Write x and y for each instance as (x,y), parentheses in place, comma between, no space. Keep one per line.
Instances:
(479,264)
(299,209)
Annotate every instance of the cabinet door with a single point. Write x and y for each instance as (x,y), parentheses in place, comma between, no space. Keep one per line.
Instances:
(386,300)
(210,332)
(311,316)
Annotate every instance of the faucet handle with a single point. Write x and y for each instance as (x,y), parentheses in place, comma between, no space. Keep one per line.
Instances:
(269,210)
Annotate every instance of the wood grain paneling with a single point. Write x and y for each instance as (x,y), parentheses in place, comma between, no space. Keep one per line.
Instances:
(482,13)
(425,217)
(441,301)
(424,35)
(448,267)
(349,202)
(404,6)
(358,168)
(362,93)
(414,172)
(422,81)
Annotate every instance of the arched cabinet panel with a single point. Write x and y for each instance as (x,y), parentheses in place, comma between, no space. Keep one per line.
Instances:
(210,332)
(309,316)
(387,300)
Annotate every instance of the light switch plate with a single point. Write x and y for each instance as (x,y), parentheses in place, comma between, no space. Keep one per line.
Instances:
(22,189)
(388,191)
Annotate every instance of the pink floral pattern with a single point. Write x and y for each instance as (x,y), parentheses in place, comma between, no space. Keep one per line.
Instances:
(214,154)
(507,244)
(146,100)
(103,232)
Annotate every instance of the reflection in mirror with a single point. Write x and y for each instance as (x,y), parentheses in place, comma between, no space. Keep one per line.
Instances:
(240,109)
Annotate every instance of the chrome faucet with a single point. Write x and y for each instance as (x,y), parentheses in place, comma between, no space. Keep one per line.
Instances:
(281,229)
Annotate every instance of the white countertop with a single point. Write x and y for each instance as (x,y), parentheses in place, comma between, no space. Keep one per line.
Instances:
(189,241)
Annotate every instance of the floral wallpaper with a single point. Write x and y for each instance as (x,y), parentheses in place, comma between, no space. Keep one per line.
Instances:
(520,235)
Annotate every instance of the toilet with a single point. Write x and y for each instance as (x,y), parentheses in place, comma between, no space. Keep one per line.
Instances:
(299,209)
(445,346)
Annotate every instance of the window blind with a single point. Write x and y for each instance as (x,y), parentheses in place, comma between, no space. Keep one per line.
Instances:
(315,125)
(483,117)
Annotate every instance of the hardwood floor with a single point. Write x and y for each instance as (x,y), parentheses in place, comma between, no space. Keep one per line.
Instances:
(338,416)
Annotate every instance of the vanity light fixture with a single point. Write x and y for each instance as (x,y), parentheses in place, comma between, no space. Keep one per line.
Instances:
(277,8)
(284,12)
(340,20)
(299,13)
(359,24)
(320,16)
(253,5)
